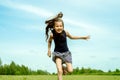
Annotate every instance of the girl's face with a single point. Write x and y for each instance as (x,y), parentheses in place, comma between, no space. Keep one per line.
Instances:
(58,27)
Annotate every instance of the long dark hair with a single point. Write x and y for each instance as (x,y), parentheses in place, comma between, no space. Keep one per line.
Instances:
(50,23)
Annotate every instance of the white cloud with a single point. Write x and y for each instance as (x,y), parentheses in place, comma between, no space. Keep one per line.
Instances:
(89,28)
(32,28)
(45,13)
(29,8)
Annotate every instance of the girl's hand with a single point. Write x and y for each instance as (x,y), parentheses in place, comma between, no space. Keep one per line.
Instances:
(87,37)
(49,53)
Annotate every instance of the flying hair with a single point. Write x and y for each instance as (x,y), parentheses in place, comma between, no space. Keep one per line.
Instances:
(50,23)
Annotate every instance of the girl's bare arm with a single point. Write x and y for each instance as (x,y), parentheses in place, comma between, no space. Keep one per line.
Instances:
(49,45)
(77,37)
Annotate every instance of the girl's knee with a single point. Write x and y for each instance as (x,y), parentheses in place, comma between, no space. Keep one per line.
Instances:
(70,70)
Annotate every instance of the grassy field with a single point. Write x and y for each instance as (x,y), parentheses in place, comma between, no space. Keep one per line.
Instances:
(53,77)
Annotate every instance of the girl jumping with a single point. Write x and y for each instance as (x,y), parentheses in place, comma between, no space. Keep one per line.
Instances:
(61,54)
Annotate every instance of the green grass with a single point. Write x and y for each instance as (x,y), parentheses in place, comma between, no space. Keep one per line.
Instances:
(53,77)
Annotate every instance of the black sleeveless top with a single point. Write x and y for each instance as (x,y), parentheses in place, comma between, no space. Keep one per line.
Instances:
(60,41)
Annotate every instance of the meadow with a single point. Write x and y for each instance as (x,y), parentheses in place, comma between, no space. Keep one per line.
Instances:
(54,77)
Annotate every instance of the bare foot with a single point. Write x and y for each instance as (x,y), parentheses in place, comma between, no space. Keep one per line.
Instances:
(64,70)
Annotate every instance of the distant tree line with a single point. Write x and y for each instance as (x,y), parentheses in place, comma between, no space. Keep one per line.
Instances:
(15,69)
(89,71)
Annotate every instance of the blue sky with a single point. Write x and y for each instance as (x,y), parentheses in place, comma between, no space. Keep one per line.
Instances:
(22,29)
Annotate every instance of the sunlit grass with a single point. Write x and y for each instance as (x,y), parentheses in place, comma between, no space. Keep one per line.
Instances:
(54,77)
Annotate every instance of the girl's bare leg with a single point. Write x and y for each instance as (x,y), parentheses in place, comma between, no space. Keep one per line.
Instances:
(68,68)
(64,70)
(59,68)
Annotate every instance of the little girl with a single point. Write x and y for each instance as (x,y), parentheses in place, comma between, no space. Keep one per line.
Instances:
(61,54)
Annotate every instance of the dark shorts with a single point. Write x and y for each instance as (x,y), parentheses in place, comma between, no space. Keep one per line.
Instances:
(64,56)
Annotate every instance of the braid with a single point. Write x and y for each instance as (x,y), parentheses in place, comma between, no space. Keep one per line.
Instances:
(48,28)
